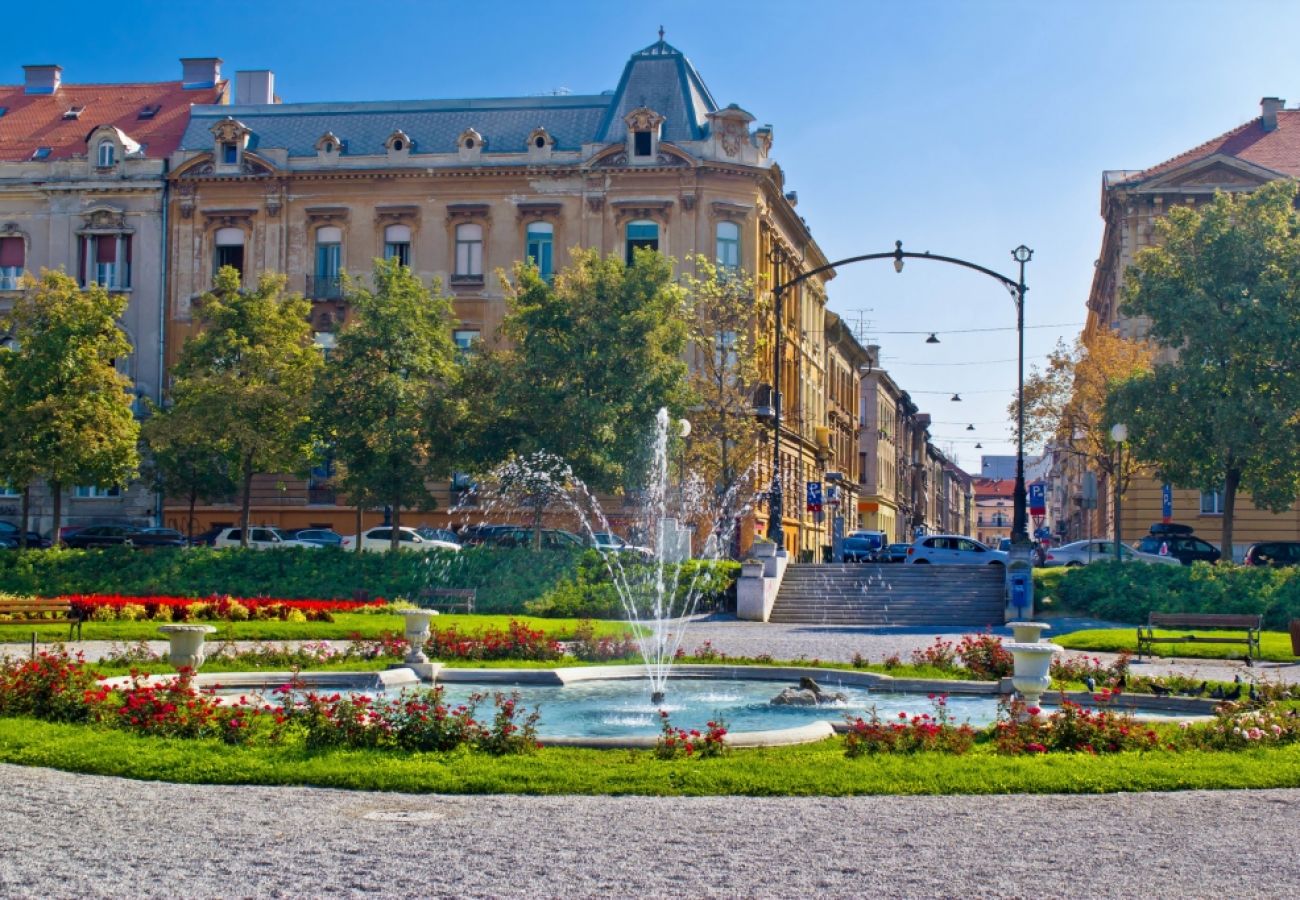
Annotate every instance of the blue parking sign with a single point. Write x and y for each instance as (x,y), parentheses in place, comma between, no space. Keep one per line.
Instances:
(1167,503)
(1037,498)
(814,496)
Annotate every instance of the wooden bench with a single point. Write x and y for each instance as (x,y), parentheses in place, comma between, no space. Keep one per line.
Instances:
(449,599)
(1251,625)
(40,611)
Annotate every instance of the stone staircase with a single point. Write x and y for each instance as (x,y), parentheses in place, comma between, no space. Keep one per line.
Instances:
(966,596)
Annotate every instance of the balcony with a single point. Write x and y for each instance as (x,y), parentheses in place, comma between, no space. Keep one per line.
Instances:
(324,287)
(321,496)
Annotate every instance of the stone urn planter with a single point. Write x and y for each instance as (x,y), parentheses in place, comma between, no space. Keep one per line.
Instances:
(1028,632)
(416,633)
(1032,672)
(186,644)
(751,568)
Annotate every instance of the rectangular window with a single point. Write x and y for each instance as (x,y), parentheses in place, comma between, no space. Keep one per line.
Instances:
(85,492)
(11,263)
(469,251)
(398,250)
(641,143)
(465,339)
(728,245)
(230,255)
(106,261)
(229,154)
(1211,503)
(641,235)
(540,247)
(329,264)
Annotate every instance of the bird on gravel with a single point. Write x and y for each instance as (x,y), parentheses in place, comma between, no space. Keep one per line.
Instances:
(1091,684)
(1237,678)
(1217,693)
(1233,694)
(1254,694)
(1250,663)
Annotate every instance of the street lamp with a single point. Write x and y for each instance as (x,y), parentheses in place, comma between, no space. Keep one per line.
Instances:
(1019,523)
(1118,434)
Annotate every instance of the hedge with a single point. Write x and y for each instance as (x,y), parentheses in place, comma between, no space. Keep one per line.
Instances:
(1128,592)
(589,592)
(505,577)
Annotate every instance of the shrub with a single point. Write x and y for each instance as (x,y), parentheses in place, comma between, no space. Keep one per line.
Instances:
(673,742)
(586,646)
(1237,726)
(590,591)
(1072,728)
(51,686)
(984,656)
(1080,668)
(906,734)
(940,654)
(518,641)
(508,733)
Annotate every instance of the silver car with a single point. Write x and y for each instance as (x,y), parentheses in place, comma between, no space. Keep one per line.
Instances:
(952,550)
(1080,553)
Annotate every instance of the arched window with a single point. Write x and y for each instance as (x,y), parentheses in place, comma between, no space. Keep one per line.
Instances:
(641,234)
(329,263)
(107,154)
(228,249)
(728,245)
(469,251)
(397,243)
(541,237)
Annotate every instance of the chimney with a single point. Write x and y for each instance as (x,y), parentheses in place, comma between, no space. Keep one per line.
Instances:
(254,87)
(42,79)
(200,72)
(1268,108)
(873,356)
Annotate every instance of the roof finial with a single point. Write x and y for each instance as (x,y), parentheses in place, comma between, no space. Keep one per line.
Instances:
(661,34)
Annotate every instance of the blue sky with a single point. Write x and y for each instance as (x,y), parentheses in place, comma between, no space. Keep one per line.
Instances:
(958,127)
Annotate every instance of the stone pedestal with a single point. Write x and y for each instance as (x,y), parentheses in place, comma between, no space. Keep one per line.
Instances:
(416,633)
(186,644)
(759,582)
(1033,665)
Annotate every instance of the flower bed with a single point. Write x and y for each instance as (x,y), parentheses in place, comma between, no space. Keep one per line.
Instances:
(115,607)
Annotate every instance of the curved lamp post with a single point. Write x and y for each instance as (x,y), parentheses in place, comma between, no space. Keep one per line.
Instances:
(1017,288)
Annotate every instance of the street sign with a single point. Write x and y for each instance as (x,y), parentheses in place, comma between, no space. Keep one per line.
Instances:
(832,493)
(1038,499)
(1167,503)
(814,496)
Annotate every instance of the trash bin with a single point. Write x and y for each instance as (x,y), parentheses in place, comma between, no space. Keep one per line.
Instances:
(1295,637)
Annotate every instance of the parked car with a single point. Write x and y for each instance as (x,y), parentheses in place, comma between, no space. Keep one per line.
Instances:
(207,538)
(1181,544)
(120,536)
(1080,553)
(1004,545)
(380,538)
(862,549)
(163,532)
(551,539)
(894,553)
(439,534)
(8,542)
(608,542)
(482,534)
(34,540)
(325,537)
(1273,553)
(952,550)
(262,537)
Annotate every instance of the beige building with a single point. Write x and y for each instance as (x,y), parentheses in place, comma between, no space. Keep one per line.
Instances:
(1263,149)
(83,189)
(459,189)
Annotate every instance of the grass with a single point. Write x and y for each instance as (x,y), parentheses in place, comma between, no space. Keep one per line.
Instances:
(1274,645)
(344,626)
(809,770)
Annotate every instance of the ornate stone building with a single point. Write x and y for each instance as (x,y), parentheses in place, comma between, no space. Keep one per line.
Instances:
(459,189)
(83,189)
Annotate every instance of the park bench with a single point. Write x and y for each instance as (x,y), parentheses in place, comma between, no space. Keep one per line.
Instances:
(448,599)
(1251,625)
(40,611)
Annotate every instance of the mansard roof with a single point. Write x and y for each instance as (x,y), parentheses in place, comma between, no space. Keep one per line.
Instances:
(1277,150)
(658,77)
(32,120)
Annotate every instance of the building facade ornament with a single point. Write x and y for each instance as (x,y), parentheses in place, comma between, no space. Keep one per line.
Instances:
(327,215)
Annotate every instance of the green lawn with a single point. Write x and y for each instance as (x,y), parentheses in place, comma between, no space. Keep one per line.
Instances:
(816,769)
(344,626)
(1274,645)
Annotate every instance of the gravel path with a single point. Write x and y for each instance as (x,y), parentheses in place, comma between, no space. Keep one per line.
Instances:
(88,836)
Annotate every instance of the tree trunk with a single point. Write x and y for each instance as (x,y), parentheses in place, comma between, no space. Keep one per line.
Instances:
(26,517)
(246,510)
(189,522)
(396,543)
(56,489)
(360,519)
(1231,479)
(539,506)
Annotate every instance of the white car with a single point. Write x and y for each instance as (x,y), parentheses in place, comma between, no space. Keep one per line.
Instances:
(952,550)
(1080,553)
(260,538)
(380,538)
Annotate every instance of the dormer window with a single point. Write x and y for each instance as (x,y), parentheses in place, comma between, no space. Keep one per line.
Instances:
(229,153)
(148,112)
(470,145)
(399,144)
(328,145)
(642,144)
(74,112)
(643,132)
(107,154)
(41,153)
(230,138)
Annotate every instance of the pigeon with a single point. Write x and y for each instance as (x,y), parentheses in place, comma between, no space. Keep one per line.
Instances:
(1237,678)
(1196,691)
(1254,694)
(1250,663)
(1091,684)
(1160,690)
(1122,681)
(1217,693)
(1233,694)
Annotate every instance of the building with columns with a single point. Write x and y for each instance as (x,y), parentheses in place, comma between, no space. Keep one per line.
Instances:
(459,189)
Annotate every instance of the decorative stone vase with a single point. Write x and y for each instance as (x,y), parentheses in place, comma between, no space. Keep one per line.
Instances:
(186,644)
(751,568)
(1033,664)
(763,549)
(1028,632)
(417,632)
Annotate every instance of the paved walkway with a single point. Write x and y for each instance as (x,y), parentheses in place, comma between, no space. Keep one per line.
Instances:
(89,836)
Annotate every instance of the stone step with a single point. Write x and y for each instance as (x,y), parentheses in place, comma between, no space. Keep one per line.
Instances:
(878,595)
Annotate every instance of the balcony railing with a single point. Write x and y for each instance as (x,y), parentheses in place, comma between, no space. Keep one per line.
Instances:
(324,287)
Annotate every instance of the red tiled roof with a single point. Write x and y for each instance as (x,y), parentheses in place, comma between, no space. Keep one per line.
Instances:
(1278,149)
(989,487)
(36,120)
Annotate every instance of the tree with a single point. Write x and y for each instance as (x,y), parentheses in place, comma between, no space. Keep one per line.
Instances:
(387,404)
(184,459)
(1066,401)
(1219,410)
(590,361)
(728,350)
(67,410)
(247,379)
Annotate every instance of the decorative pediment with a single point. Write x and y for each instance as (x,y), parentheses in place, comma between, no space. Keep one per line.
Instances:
(647,208)
(326,215)
(1217,171)
(467,212)
(105,219)
(329,143)
(539,210)
(255,165)
(735,212)
(643,119)
(10,229)
(229,218)
(396,215)
(231,130)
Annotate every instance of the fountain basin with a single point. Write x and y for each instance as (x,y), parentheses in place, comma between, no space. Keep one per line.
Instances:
(1028,632)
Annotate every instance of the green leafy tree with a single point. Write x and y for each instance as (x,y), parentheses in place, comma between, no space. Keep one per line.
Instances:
(1221,407)
(589,361)
(18,466)
(727,352)
(247,379)
(388,404)
(184,459)
(67,410)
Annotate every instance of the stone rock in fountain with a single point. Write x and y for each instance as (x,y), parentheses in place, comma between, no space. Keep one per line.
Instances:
(808,693)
